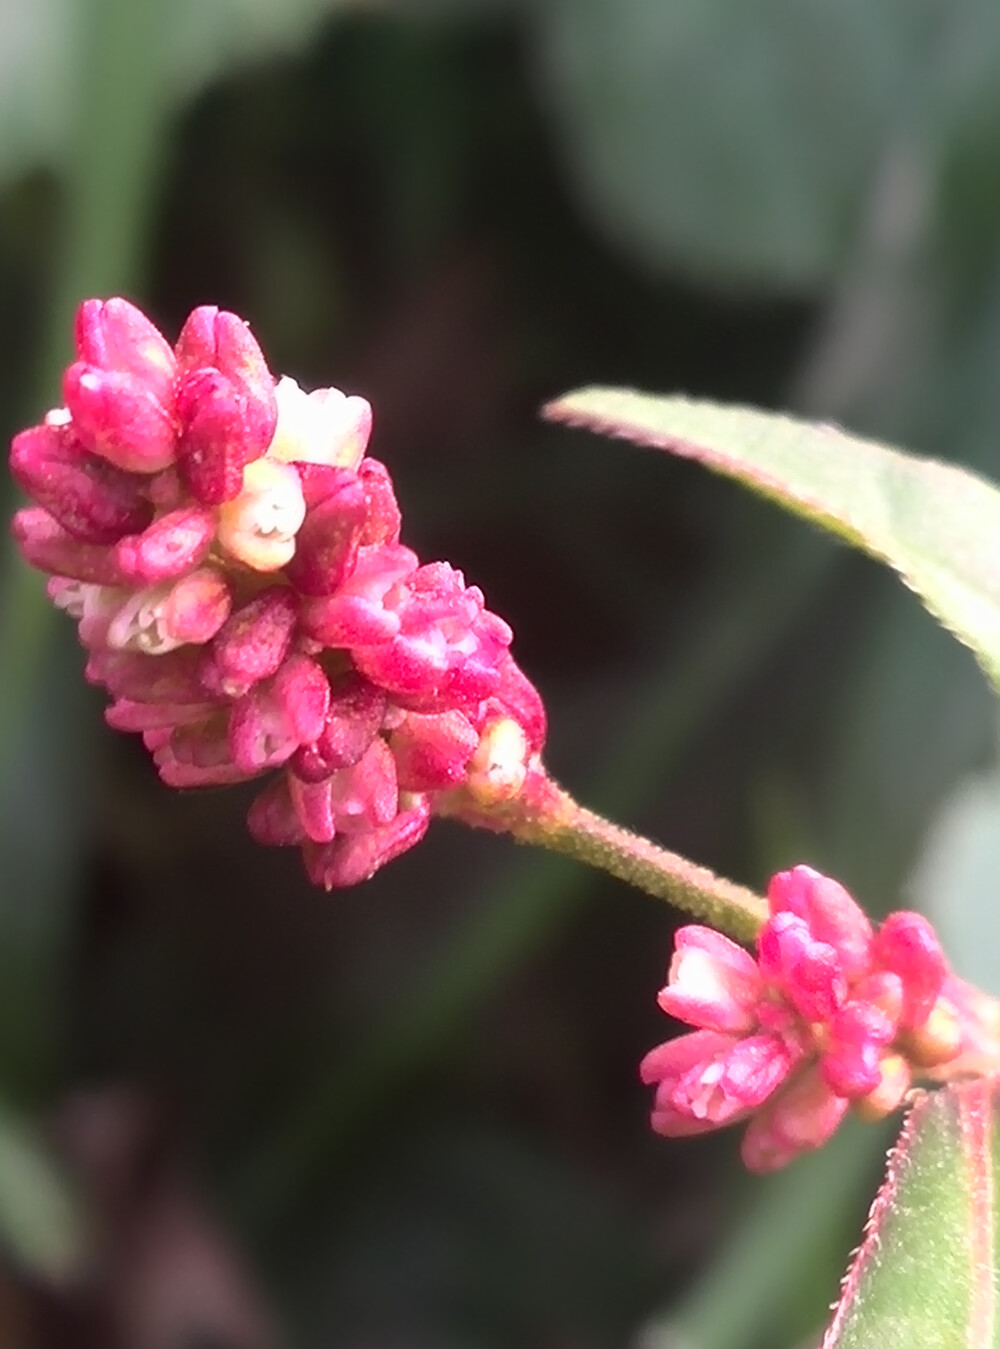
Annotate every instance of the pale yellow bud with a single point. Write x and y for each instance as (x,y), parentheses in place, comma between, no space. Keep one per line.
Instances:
(497,769)
(322,427)
(258,528)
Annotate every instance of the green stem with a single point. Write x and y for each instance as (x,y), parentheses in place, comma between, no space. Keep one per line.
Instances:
(545,815)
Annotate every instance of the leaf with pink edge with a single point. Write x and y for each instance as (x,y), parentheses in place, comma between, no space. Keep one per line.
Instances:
(936,524)
(925,1275)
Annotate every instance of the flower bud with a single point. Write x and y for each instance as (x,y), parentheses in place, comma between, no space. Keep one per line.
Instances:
(354,858)
(432,753)
(169,547)
(807,971)
(120,419)
(251,644)
(938,1039)
(258,527)
(830,912)
(887,1096)
(712,982)
(907,945)
(326,546)
(115,335)
(803,1116)
(499,766)
(89,497)
(45,544)
(323,427)
(352,721)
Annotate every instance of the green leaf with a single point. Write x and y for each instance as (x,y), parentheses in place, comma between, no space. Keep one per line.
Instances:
(926,1274)
(41,1223)
(937,525)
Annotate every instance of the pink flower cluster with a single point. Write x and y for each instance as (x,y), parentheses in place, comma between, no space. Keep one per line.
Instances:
(234,564)
(832,1014)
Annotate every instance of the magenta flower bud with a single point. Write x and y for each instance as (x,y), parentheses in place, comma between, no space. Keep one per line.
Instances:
(261,734)
(120,418)
(171,546)
(45,544)
(679,1060)
(326,545)
(357,616)
(226,403)
(807,972)
(733,1082)
(115,335)
(251,644)
(383,520)
(353,800)
(802,1117)
(432,752)
(907,945)
(215,446)
(90,498)
(302,690)
(214,338)
(171,678)
(712,982)
(352,721)
(125,715)
(273,819)
(832,915)
(355,858)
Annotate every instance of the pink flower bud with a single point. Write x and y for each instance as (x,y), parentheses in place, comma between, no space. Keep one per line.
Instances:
(120,418)
(683,1060)
(830,912)
(216,339)
(382,518)
(115,335)
(273,819)
(326,546)
(355,858)
(171,546)
(226,403)
(907,945)
(803,1116)
(124,715)
(172,678)
(432,752)
(733,1082)
(352,721)
(215,446)
(806,971)
(261,734)
(251,644)
(357,616)
(45,544)
(353,800)
(712,982)
(90,498)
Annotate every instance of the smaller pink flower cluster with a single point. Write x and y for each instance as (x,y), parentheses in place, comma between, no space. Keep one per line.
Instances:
(832,1014)
(234,564)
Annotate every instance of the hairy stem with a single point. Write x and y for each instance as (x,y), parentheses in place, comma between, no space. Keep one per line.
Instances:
(545,815)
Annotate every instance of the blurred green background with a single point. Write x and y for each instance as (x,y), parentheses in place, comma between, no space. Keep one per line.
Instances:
(236,1113)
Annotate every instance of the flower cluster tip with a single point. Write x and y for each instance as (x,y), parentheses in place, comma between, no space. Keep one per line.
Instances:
(232,558)
(831,1015)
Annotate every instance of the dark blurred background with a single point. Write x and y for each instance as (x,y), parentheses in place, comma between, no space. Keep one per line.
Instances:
(236,1113)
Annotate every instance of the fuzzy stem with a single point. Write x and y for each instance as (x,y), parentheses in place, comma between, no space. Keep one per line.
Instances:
(545,815)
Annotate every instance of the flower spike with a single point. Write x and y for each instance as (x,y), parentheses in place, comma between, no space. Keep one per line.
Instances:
(232,559)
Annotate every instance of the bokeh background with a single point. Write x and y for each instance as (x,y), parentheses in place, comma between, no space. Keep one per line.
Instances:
(236,1113)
